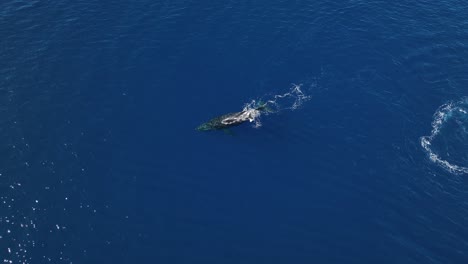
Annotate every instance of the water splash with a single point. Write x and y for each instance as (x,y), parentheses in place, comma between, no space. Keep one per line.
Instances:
(450,125)
(291,100)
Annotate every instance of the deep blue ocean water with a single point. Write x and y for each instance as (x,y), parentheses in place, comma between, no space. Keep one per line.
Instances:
(101,162)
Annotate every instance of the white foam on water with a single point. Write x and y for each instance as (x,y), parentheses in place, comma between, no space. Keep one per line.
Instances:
(291,100)
(452,110)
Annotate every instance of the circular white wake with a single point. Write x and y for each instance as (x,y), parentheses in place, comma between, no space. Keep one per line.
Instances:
(447,145)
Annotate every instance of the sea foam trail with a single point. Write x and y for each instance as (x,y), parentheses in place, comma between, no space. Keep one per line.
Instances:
(291,100)
(452,111)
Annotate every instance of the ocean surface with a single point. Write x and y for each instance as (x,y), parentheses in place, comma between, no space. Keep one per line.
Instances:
(364,160)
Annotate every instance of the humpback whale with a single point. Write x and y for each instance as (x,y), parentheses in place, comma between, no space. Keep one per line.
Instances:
(233,119)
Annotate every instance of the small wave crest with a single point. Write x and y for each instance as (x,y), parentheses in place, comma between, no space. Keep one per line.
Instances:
(291,100)
(447,145)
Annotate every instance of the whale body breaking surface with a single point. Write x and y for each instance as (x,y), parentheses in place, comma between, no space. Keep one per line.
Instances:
(231,119)
(252,111)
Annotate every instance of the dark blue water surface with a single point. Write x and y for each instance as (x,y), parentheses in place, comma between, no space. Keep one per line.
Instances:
(101,162)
